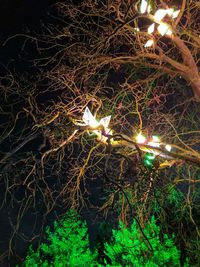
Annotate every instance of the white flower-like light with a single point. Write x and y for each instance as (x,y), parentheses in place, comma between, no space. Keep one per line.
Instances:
(151,28)
(145,7)
(149,43)
(172,13)
(91,121)
(160,14)
(164,29)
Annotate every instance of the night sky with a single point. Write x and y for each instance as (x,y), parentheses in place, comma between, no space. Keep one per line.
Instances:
(17,17)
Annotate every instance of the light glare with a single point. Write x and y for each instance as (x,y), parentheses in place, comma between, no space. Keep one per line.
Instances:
(140,139)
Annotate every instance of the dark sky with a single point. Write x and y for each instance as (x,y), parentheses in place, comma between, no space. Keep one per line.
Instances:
(16,17)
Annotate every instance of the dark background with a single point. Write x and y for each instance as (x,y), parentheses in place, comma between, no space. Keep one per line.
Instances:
(18,17)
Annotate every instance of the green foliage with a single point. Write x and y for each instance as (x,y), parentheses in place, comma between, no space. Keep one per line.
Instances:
(175,197)
(68,245)
(148,160)
(130,248)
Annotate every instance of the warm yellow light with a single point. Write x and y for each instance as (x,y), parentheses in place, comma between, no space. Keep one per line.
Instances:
(164,29)
(140,138)
(151,28)
(149,43)
(160,14)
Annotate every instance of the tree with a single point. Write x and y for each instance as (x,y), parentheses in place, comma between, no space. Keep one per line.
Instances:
(68,245)
(97,59)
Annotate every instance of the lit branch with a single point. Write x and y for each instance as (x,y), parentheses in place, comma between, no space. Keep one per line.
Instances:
(153,146)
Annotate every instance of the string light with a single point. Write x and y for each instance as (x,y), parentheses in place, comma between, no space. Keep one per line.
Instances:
(164,29)
(159,15)
(151,28)
(140,138)
(144,7)
(149,43)
(148,145)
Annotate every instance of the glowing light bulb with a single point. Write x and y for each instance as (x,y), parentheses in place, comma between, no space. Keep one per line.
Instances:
(160,14)
(149,43)
(140,138)
(89,119)
(168,148)
(143,6)
(164,29)
(175,14)
(155,141)
(155,138)
(151,28)
(105,121)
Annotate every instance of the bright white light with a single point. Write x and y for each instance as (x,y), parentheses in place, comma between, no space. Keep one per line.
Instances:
(143,6)
(164,29)
(89,119)
(170,11)
(175,14)
(148,8)
(140,138)
(155,142)
(149,43)
(105,121)
(151,28)
(160,14)
(168,148)
(155,138)
(137,29)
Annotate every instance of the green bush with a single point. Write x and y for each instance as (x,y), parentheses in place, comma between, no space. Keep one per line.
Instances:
(129,247)
(68,245)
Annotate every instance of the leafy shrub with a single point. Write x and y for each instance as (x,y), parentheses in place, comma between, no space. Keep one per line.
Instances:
(68,245)
(129,247)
